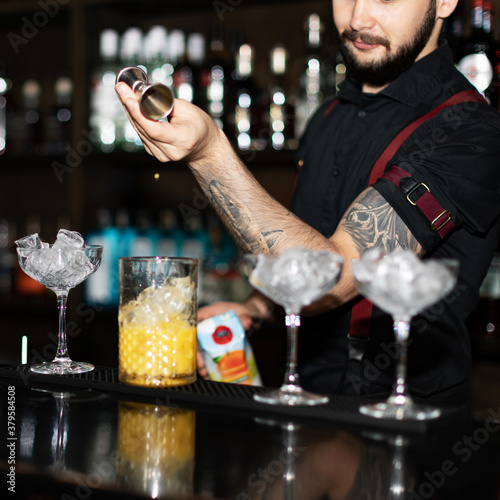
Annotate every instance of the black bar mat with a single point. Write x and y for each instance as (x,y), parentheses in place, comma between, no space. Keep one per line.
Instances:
(341,410)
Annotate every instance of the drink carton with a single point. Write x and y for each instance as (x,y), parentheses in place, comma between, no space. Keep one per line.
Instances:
(226,351)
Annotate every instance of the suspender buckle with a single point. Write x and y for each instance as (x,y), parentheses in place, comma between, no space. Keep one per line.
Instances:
(413,189)
(448,219)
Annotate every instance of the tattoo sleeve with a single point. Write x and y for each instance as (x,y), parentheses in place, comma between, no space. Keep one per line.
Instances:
(373,223)
(239,224)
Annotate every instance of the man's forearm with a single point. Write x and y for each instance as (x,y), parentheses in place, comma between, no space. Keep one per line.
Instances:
(255,220)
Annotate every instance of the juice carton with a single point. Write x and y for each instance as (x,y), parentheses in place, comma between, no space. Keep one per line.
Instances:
(227,354)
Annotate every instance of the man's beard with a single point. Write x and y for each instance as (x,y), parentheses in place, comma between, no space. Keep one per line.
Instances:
(382,72)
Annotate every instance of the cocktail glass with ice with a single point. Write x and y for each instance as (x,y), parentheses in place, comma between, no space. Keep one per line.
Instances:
(59,267)
(402,285)
(294,279)
(157,319)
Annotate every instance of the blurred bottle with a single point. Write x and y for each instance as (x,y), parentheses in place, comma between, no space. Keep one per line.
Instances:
(312,75)
(217,78)
(104,104)
(493,91)
(170,237)
(145,241)
(8,258)
(56,129)
(23,126)
(25,285)
(131,46)
(281,109)
(183,78)
(126,234)
(196,56)
(155,55)
(101,289)
(249,103)
(4,88)
(475,63)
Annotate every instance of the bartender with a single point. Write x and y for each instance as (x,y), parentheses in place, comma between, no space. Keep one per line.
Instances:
(406,156)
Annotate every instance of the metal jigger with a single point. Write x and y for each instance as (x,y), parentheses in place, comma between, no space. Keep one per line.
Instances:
(155,100)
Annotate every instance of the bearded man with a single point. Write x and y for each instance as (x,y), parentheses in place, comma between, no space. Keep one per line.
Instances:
(406,156)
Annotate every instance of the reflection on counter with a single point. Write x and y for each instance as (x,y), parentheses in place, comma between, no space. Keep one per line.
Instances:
(88,444)
(155,449)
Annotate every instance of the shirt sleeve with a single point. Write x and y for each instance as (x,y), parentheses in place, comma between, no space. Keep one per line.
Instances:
(457,156)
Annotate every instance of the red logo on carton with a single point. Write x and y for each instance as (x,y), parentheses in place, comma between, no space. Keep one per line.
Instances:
(222,335)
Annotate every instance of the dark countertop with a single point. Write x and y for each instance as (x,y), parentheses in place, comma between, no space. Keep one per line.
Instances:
(90,437)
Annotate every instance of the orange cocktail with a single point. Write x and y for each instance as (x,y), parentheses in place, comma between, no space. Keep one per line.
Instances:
(157,323)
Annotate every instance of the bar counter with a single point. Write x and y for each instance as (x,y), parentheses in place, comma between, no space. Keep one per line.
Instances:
(88,436)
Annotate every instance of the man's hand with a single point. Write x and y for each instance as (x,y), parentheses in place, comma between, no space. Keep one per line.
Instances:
(251,313)
(189,135)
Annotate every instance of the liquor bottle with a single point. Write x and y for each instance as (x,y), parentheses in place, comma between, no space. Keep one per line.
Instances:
(155,55)
(281,109)
(23,125)
(493,91)
(7,259)
(475,63)
(196,54)
(131,46)
(101,288)
(217,77)
(183,79)
(56,123)
(145,241)
(312,77)
(170,237)
(247,108)
(4,86)
(24,284)
(104,105)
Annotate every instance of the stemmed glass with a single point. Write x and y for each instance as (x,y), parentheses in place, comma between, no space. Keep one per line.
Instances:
(293,279)
(60,269)
(402,285)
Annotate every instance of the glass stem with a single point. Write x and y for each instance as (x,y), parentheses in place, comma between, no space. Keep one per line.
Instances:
(62,345)
(401,332)
(292,325)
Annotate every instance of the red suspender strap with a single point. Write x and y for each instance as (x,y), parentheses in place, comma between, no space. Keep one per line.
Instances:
(439,218)
(379,167)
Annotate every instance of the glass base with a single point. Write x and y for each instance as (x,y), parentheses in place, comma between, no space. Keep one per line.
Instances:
(290,395)
(62,367)
(401,411)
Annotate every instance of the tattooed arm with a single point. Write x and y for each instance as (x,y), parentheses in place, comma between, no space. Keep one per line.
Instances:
(255,220)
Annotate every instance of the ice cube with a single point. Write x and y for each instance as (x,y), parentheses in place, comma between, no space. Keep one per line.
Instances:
(296,277)
(401,283)
(69,239)
(30,241)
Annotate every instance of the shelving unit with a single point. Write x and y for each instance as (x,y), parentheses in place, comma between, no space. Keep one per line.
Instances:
(65,40)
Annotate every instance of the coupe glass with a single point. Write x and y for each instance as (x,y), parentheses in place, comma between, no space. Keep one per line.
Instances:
(402,285)
(293,279)
(60,269)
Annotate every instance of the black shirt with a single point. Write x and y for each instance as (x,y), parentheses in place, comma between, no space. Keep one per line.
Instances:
(457,155)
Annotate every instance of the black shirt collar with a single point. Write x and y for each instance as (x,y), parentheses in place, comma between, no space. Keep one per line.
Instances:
(412,86)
